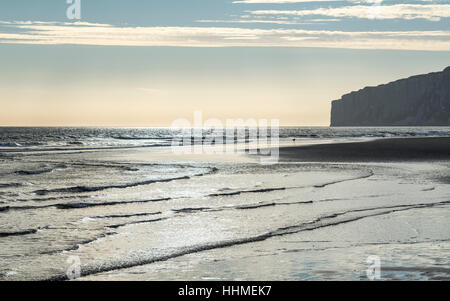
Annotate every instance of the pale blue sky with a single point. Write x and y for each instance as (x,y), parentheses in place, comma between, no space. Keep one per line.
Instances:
(150,62)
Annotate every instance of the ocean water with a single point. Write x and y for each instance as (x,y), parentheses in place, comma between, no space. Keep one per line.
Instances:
(119,202)
(12,138)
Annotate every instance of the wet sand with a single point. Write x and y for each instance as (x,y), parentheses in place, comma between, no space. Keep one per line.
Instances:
(382,150)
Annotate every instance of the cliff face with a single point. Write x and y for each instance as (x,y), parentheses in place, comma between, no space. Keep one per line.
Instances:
(422,100)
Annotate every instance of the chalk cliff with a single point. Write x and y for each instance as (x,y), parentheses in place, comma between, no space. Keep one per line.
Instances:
(421,100)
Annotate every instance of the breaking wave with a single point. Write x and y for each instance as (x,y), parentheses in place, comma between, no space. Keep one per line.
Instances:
(321,222)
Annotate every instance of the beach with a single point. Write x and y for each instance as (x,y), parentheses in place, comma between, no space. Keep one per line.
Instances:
(129,211)
(381,150)
(249,144)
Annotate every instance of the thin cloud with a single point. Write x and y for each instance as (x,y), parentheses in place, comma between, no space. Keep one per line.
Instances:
(431,12)
(256,21)
(107,35)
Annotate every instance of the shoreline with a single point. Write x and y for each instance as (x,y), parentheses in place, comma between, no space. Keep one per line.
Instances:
(379,150)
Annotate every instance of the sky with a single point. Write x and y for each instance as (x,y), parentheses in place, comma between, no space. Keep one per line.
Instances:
(148,63)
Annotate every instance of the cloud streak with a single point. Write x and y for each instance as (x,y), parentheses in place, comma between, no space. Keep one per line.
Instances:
(261,21)
(53,33)
(431,12)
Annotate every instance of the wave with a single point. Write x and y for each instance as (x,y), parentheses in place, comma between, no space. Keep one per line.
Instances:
(10,144)
(80,189)
(190,210)
(434,273)
(3,209)
(321,222)
(345,180)
(82,146)
(262,190)
(271,204)
(41,171)
(137,223)
(19,233)
(248,206)
(48,199)
(33,172)
(182,210)
(82,139)
(75,143)
(125,215)
(144,138)
(78,245)
(69,206)
(8,185)
(88,205)
(81,149)
(429,189)
(8,208)
(361,132)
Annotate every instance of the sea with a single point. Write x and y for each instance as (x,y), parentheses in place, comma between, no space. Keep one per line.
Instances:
(119,204)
